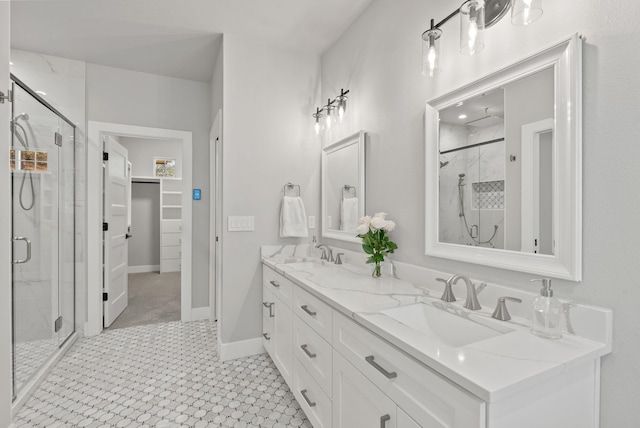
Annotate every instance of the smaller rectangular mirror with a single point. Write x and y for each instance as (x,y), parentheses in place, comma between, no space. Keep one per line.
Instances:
(343,189)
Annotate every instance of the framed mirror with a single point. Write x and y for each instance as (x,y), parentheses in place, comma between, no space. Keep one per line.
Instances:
(503,167)
(343,189)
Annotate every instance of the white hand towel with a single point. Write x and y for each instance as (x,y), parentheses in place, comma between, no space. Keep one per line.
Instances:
(349,214)
(293,218)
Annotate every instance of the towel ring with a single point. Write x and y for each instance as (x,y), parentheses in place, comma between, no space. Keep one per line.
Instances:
(346,188)
(290,186)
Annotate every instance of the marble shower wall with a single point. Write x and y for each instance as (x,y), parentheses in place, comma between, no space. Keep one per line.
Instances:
(484,174)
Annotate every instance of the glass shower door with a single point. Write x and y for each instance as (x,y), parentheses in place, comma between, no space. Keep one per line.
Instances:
(42,227)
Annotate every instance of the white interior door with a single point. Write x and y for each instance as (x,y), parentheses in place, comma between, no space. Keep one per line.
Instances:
(116,216)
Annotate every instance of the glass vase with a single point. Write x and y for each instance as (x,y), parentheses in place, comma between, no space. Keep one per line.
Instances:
(377,270)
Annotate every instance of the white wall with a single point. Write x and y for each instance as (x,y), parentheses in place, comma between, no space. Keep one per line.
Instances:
(143,151)
(268,141)
(5,227)
(144,245)
(379,60)
(217,83)
(132,98)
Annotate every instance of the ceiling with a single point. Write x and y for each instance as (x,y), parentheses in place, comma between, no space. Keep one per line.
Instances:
(177,38)
(473,110)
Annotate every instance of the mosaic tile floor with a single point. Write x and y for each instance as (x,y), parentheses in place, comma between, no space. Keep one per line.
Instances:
(30,356)
(161,375)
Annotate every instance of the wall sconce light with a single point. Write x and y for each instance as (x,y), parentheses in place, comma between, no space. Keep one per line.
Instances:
(317,115)
(475,17)
(339,105)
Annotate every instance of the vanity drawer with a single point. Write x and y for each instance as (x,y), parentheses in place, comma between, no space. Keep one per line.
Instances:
(278,284)
(312,399)
(424,395)
(313,352)
(313,311)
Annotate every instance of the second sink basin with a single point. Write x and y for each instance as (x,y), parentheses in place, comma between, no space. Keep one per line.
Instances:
(451,329)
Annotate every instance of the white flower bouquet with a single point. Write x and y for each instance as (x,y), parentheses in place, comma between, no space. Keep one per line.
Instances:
(373,231)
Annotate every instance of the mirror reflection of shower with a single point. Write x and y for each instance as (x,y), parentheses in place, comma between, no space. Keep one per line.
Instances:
(474,230)
(23,138)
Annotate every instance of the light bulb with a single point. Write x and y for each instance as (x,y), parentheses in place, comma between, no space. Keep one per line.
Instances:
(431,57)
(329,118)
(341,112)
(471,27)
(473,36)
(317,127)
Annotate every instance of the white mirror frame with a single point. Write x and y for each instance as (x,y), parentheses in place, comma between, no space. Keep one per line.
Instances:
(359,139)
(566,263)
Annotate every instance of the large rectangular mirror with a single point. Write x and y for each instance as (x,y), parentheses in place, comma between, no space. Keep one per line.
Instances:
(504,167)
(343,187)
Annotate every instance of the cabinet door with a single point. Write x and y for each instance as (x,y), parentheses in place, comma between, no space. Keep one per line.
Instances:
(356,401)
(268,318)
(404,421)
(283,338)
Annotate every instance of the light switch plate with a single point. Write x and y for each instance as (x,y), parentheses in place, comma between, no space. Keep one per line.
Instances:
(241,223)
(311,222)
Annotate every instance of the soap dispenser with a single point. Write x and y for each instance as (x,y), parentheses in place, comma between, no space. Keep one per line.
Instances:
(546,312)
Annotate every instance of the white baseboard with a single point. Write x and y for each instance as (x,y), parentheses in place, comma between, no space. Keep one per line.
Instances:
(241,349)
(198,314)
(144,268)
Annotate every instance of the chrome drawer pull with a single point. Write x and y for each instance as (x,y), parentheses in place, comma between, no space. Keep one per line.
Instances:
(383,420)
(306,351)
(270,306)
(309,402)
(388,375)
(266,336)
(307,310)
(275,284)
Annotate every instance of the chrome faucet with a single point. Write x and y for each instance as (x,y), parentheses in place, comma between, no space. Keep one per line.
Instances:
(327,252)
(471,301)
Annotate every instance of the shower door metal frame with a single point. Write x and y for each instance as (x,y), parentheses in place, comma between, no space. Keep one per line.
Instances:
(16,81)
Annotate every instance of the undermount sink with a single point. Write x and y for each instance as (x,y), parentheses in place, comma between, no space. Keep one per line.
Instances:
(451,329)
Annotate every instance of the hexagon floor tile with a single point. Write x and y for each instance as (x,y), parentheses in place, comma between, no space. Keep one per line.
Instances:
(160,375)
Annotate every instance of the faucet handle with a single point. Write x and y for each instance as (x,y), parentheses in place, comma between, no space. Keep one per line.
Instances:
(447,296)
(339,259)
(501,313)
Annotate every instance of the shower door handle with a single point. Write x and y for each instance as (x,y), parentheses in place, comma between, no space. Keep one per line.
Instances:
(21,238)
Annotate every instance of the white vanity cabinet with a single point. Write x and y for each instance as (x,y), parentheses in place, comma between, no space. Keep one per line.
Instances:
(344,375)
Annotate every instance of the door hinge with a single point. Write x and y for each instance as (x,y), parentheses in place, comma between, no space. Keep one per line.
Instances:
(58,324)
(8,97)
(105,297)
(58,139)
(105,227)
(105,156)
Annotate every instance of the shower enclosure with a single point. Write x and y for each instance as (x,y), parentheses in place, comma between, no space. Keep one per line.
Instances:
(43,217)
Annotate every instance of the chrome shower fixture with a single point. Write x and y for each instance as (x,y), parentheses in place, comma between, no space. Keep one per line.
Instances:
(24,116)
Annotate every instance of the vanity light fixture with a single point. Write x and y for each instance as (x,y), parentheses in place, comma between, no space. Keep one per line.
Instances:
(336,107)
(342,104)
(317,115)
(475,17)
(329,108)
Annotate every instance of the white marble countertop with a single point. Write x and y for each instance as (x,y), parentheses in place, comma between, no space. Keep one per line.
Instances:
(491,369)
